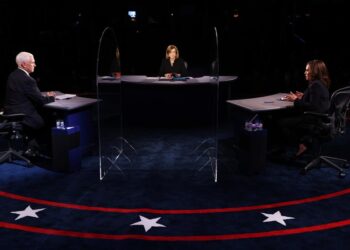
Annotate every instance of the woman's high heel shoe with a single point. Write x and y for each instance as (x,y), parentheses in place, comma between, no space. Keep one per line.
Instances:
(301,151)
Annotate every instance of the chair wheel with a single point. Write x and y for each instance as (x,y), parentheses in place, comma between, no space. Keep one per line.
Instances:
(346,165)
(342,174)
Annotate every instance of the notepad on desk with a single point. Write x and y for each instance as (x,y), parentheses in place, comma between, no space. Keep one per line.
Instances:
(65,96)
(178,78)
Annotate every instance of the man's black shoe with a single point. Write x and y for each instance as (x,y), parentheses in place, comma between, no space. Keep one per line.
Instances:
(44,156)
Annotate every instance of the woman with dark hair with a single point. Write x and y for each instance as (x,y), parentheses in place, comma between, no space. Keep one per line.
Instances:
(315,98)
(172,65)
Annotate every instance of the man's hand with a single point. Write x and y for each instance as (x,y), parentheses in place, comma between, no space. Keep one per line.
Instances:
(50,93)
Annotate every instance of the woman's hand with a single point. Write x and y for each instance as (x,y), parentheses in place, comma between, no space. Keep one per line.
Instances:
(291,97)
(299,94)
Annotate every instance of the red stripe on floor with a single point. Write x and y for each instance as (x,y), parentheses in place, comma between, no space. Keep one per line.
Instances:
(87,235)
(173,211)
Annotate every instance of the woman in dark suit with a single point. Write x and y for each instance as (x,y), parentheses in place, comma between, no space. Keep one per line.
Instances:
(172,65)
(315,98)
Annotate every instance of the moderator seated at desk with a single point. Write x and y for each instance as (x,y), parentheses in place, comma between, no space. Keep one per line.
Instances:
(76,111)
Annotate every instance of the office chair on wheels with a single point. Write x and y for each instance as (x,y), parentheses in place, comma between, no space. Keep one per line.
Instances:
(10,128)
(332,125)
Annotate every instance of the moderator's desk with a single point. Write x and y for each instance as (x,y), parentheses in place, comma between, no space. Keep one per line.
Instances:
(76,111)
(142,79)
(151,100)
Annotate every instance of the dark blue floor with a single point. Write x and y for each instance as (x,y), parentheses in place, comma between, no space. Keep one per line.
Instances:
(164,175)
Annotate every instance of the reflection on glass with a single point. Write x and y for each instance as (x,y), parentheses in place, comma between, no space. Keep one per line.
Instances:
(108,85)
(208,148)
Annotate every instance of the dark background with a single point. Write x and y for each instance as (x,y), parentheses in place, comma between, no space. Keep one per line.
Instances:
(267,45)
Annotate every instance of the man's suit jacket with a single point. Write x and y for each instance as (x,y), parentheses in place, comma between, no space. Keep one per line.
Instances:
(24,96)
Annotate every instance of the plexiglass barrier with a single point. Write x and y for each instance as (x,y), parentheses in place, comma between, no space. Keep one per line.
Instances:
(154,123)
(109,111)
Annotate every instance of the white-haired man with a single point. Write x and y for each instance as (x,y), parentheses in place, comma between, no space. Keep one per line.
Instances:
(24,96)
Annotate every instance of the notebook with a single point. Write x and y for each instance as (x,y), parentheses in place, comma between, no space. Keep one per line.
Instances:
(64,96)
(179,78)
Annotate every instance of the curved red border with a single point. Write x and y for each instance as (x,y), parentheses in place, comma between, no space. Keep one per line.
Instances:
(173,211)
(88,235)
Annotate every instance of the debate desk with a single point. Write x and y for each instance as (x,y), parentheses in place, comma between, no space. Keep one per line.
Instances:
(252,145)
(244,109)
(158,101)
(76,112)
(142,79)
(263,104)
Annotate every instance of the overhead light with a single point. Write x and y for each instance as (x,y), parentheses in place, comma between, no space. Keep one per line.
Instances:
(132,15)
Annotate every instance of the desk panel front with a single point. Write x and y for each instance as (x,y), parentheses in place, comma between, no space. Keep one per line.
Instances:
(151,100)
(77,111)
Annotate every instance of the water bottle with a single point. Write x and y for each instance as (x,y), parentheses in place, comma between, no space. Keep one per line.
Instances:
(248,126)
(256,126)
(62,124)
(58,124)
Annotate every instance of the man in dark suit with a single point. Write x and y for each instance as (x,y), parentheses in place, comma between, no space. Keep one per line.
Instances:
(24,96)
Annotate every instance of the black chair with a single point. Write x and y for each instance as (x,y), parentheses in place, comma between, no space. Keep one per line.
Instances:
(331,126)
(11,130)
(186,64)
(214,68)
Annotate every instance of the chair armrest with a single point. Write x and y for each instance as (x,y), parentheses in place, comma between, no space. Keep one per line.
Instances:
(322,115)
(13,117)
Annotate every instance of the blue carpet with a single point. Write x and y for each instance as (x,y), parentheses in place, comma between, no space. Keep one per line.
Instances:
(194,212)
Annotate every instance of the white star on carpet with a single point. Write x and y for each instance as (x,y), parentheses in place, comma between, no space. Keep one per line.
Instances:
(28,212)
(277,217)
(148,223)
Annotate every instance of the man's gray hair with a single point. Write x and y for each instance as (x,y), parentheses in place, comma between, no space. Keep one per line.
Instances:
(23,57)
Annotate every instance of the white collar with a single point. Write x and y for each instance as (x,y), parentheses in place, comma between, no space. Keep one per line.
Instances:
(24,70)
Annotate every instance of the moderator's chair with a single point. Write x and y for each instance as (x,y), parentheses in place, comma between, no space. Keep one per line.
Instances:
(331,126)
(186,64)
(214,68)
(11,130)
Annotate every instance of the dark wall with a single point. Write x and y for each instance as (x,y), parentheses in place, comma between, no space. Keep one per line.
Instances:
(267,45)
